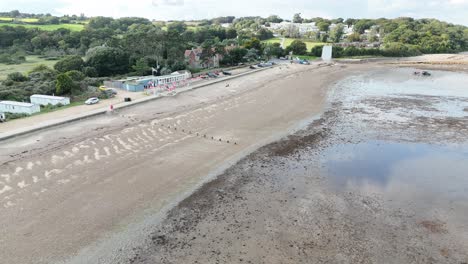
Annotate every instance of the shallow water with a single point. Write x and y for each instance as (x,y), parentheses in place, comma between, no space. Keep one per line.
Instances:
(410,140)
(426,181)
(444,94)
(390,167)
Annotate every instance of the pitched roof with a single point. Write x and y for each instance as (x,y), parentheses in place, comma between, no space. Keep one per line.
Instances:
(16,103)
(47,97)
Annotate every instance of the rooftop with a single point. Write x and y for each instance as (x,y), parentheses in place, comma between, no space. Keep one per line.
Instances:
(16,103)
(47,97)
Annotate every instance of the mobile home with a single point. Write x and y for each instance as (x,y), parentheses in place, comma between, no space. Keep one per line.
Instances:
(40,99)
(18,107)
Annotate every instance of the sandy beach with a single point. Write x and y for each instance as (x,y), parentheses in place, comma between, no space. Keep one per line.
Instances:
(73,186)
(182,180)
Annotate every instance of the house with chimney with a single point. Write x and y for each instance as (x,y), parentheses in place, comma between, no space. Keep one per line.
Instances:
(193,59)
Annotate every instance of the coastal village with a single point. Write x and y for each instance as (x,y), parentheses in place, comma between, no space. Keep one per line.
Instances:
(152,132)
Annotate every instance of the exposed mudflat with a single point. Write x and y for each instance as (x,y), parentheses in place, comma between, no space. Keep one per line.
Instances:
(381,177)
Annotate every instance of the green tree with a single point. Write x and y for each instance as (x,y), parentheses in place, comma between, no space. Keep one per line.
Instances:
(141,67)
(253,43)
(274,19)
(264,34)
(17,77)
(231,33)
(107,61)
(75,75)
(354,37)
(90,71)
(316,51)
(15,13)
(362,25)
(336,33)
(297,47)
(273,50)
(69,63)
(350,21)
(237,55)
(297,18)
(178,27)
(323,26)
(64,84)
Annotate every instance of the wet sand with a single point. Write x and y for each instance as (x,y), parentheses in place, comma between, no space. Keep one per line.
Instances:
(379,178)
(97,191)
(91,191)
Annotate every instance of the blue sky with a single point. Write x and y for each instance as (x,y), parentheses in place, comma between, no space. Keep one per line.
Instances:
(455,11)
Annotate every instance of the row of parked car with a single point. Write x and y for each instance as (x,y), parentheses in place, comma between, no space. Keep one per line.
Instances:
(215,74)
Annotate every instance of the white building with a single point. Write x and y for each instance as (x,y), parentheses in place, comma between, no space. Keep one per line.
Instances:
(139,84)
(40,99)
(19,108)
(348,30)
(303,28)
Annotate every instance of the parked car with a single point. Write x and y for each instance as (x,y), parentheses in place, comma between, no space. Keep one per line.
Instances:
(92,100)
(110,92)
(426,73)
(212,75)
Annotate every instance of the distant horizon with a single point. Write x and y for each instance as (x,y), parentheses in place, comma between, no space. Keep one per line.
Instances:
(210,18)
(450,11)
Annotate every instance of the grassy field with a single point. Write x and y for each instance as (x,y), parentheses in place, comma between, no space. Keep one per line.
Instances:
(31,62)
(25,20)
(310,44)
(45,110)
(305,57)
(72,27)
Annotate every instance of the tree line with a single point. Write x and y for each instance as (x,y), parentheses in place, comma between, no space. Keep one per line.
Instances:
(132,46)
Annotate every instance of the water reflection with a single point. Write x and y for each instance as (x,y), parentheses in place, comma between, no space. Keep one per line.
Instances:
(399,169)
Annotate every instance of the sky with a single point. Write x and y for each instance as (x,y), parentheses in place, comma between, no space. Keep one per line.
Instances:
(454,11)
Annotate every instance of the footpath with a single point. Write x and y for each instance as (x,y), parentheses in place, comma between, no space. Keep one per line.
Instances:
(4,135)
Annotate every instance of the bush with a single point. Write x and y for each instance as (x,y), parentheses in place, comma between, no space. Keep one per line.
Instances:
(12,59)
(297,47)
(337,52)
(316,51)
(90,71)
(40,68)
(76,76)
(69,63)
(11,116)
(17,77)
(107,61)
(64,84)
(396,49)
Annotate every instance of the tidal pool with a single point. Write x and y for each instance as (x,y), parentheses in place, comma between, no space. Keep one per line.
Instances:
(403,139)
(392,167)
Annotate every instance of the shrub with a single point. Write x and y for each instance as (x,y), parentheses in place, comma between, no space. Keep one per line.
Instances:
(17,77)
(11,116)
(316,51)
(69,63)
(90,71)
(76,76)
